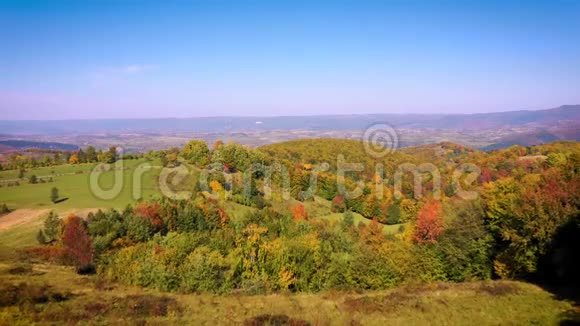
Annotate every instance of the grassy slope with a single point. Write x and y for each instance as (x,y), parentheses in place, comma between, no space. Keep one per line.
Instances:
(477,303)
(75,187)
(320,208)
(387,229)
(21,235)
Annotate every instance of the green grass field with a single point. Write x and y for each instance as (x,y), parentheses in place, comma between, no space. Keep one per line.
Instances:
(387,229)
(46,171)
(73,183)
(20,236)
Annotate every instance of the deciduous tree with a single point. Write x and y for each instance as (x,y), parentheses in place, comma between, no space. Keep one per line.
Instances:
(74,159)
(429,223)
(196,152)
(299,212)
(77,242)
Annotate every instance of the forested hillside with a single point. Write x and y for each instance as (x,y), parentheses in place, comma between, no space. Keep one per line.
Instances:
(436,213)
(224,238)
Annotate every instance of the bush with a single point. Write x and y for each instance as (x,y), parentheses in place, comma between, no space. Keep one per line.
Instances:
(347,220)
(204,270)
(4,209)
(394,214)
(24,293)
(51,254)
(20,269)
(139,229)
(340,272)
(267,319)
(338,204)
(86,269)
(40,237)
(374,268)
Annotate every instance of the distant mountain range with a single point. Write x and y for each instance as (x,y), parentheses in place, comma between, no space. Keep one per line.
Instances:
(8,145)
(480,121)
(482,130)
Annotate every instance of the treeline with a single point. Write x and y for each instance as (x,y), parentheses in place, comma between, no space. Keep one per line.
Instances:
(35,158)
(229,158)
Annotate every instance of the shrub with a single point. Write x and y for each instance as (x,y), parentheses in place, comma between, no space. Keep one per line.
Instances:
(374,268)
(393,214)
(338,204)
(347,220)
(24,293)
(104,228)
(4,209)
(40,237)
(51,254)
(20,269)
(204,270)
(425,265)
(139,229)
(340,272)
(268,319)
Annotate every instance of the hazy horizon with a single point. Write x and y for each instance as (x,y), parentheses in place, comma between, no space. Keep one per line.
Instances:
(126,60)
(291,115)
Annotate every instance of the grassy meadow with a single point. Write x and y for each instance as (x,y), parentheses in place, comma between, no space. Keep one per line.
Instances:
(41,294)
(72,182)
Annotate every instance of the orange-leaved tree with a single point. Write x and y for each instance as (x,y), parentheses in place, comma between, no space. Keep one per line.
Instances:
(299,212)
(74,159)
(429,223)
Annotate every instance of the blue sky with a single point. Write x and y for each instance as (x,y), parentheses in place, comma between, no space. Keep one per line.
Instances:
(129,58)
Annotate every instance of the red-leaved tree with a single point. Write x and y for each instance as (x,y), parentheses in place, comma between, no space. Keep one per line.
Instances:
(429,223)
(77,242)
(338,204)
(150,212)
